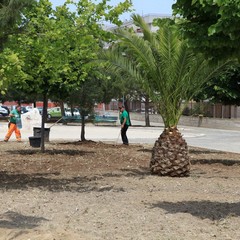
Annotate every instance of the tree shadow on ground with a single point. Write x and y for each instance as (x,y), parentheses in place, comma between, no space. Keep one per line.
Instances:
(225,162)
(201,209)
(71,152)
(140,172)
(12,220)
(53,182)
(191,151)
(204,151)
(45,182)
(145,150)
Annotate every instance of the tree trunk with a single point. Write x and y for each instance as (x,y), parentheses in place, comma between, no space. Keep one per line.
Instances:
(83,129)
(170,155)
(147,119)
(44,117)
(61,103)
(126,105)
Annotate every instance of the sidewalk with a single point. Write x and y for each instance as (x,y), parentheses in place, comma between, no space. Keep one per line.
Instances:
(217,139)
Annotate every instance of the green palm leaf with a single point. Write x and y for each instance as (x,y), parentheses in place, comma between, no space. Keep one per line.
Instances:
(171,75)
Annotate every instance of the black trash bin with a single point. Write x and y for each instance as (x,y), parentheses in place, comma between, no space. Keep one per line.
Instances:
(35,141)
(37,133)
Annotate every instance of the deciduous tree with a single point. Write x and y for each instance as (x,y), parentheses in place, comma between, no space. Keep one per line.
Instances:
(54,52)
(211,26)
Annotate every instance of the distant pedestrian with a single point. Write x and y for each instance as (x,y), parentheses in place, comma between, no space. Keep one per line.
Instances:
(14,124)
(125,123)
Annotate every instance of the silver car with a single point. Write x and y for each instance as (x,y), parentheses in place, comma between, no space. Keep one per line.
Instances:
(3,111)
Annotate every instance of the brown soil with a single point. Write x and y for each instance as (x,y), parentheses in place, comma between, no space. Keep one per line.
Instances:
(102,191)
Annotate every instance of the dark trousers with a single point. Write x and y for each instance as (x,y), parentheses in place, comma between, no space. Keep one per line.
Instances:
(124,134)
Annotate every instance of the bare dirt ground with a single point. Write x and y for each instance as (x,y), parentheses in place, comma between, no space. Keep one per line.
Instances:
(95,191)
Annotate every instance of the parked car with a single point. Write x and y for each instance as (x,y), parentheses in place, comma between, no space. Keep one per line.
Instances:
(29,108)
(8,110)
(56,112)
(40,109)
(3,111)
(76,112)
(23,109)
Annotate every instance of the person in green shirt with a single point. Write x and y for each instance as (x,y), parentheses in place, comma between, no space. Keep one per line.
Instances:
(125,123)
(15,117)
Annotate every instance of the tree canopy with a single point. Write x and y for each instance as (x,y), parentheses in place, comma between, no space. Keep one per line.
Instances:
(12,12)
(211,26)
(52,55)
(57,44)
(225,88)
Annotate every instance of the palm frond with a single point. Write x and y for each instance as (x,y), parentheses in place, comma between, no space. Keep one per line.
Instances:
(163,65)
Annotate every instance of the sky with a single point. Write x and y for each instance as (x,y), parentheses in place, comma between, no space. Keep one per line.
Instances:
(142,7)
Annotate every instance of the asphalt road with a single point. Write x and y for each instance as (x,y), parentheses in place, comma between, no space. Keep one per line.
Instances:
(225,140)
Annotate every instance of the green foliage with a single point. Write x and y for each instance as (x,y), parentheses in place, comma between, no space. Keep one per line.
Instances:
(52,56)
(56,47)
(211,26)
(169,71)
(11,16)
(90,92)
(224,88)
(11,11)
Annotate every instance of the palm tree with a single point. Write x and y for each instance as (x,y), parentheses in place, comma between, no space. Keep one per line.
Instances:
(171,74)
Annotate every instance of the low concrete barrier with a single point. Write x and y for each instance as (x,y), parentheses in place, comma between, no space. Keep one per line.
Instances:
(194,121)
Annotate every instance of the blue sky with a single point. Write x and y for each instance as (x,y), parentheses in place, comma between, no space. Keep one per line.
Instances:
(142,7)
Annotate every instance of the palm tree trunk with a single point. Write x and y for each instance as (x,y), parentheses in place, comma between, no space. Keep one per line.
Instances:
(170,155)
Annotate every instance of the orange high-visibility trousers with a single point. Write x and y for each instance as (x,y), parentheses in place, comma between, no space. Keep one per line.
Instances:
(13,128)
